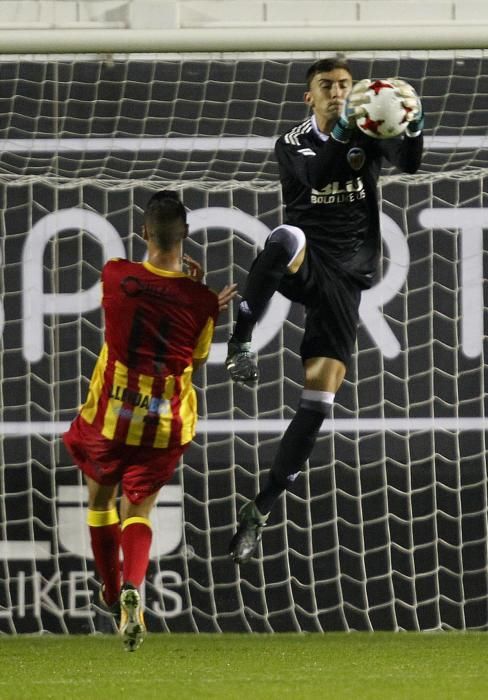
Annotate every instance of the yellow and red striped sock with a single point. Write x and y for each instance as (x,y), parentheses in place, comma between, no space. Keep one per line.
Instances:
(136,543)
(104,526)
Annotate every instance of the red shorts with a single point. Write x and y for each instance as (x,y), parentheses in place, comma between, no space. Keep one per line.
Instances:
(141,470)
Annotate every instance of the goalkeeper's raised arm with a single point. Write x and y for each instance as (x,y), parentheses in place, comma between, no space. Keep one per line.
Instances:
(406,153)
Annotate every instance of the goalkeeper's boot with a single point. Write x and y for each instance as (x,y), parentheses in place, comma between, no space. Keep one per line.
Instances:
(132,628)
(249,532)
(113,609)
(241,363)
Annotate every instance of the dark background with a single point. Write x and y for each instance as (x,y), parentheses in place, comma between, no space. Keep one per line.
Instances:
(387,529)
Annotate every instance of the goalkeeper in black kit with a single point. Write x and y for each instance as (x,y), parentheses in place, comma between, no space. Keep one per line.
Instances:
(323,257)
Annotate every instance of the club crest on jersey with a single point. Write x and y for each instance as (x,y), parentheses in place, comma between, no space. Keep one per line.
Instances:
(356,158)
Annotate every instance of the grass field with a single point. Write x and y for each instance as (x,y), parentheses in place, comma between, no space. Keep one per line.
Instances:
(180,666)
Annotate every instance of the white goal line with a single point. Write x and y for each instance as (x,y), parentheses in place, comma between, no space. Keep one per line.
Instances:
(272,426)
(196,143)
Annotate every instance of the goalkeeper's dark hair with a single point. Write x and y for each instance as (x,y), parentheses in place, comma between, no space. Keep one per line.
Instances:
(165,219)
(325,65)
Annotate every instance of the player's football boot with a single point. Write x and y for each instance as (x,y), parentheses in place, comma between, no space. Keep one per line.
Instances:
(132,627)
(249,532)
(113,609)
(241,363)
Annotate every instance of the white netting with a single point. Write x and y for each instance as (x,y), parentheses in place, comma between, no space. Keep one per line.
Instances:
(118,118)
(388,527)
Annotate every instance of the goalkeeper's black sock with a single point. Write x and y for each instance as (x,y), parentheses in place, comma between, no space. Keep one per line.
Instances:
(262,282)
(269,494)
(295,448)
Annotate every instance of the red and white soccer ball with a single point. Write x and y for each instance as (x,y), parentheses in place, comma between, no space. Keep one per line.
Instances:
(385,115)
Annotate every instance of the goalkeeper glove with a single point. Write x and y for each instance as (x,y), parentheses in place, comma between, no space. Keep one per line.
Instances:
(354,107)
(412,104)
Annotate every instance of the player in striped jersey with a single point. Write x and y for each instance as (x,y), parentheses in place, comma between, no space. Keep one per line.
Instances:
(324,255)
(140,412)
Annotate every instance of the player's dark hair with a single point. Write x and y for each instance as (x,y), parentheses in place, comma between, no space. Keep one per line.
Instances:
(165,219)
(325,65)
(163,194)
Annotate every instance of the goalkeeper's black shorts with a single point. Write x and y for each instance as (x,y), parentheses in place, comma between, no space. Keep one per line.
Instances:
(331,301)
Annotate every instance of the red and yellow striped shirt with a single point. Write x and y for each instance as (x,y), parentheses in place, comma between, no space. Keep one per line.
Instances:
(156,323)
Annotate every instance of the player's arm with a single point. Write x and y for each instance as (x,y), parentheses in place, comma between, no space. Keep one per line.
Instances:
(202,348)
(197,363)
(406,153)
(204,341)
(223,299)
(220,303)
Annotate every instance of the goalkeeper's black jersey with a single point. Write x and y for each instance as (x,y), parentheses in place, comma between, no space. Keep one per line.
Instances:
(329,191)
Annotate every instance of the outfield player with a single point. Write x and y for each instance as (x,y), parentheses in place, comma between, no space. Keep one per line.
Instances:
(325,254)
(140,412)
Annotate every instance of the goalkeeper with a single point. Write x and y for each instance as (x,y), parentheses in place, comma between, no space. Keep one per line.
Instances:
(140,412)
(325,254)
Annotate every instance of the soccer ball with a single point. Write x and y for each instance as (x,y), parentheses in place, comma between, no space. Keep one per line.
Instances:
(385,115)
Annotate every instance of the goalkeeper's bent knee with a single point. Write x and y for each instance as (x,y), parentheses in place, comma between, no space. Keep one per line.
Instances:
(291,238)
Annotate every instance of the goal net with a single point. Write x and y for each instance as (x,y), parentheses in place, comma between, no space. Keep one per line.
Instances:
(387,528)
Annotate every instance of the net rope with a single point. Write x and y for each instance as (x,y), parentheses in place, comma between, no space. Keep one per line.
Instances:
(387,528)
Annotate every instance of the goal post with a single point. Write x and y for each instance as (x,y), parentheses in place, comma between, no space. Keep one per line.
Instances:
(387,527)
(330,37)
